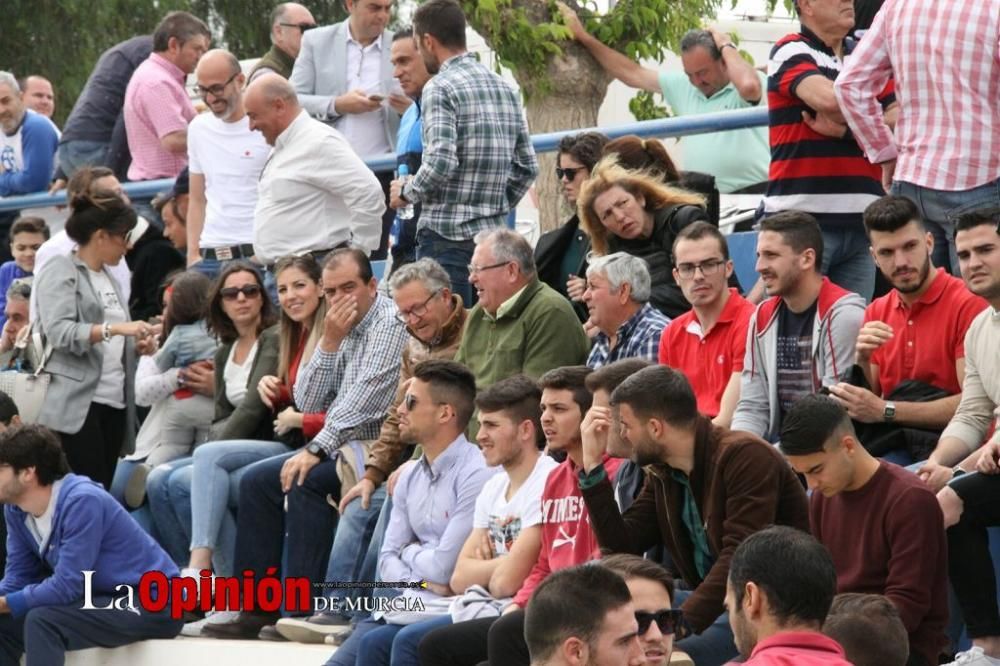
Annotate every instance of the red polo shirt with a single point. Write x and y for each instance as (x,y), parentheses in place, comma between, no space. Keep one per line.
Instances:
(708,360)
(797,648)
(928,337)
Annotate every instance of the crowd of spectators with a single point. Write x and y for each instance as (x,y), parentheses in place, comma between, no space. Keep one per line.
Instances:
(596,450)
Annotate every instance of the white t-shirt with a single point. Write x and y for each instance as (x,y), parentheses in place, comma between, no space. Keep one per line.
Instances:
(236,376)
(505,519)
(41,527)
(111,387)
(230,156)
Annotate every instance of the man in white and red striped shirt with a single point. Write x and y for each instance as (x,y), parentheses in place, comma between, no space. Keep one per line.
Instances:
(945,154)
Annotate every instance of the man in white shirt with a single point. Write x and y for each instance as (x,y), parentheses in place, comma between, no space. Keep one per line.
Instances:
(225,158)
(314,193)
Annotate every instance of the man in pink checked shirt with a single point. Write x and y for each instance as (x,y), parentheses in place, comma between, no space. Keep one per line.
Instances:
(945,153)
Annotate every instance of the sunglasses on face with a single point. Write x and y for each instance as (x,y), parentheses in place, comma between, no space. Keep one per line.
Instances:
(248,290)
(569,173)
(301,26)
(667,621)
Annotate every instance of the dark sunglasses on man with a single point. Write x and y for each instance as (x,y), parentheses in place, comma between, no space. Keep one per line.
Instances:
(667,620)
(301,26)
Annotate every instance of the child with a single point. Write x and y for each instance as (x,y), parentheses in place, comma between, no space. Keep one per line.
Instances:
(26,235)
(186,335)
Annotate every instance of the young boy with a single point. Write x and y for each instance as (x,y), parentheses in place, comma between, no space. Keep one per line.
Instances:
(26,235)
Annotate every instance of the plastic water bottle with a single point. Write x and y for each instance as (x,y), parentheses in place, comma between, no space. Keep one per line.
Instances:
(406,212)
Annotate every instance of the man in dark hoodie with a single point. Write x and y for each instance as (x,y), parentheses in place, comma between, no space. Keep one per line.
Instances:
(155,254)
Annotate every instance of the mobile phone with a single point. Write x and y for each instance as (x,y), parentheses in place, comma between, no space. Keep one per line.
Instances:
(376,98)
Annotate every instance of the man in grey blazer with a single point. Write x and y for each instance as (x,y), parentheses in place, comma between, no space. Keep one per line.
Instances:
(343,77)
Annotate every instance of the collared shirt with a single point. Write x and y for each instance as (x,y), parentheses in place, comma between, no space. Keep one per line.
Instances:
(638,337)
(432,513)
(945,62)
(478,161)
(708,359)
(802,648)
(506,306)
(355,384)
(315,193)
(691,516)
(980,405)
(365,131)
(156,104)
(928,337)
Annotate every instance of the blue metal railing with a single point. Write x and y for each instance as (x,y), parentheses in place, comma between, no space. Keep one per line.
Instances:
(668,127)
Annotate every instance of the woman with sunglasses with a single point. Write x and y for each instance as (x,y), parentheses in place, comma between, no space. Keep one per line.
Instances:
(652,589)
(85,320)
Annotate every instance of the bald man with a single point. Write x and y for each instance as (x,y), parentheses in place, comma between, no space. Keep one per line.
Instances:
(225,157)
(37,95)
(314,194)
(289,21)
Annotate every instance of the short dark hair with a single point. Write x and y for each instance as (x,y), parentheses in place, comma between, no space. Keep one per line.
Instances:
(8,409)
(33,445)
(793,569)
(585,147)
(358,256)
(219,322)
(519,397)
(660,392)
(570,378)
(180,25)
(29,225)
(571,602)
(630,566)
(798,230)
(609,376)
(405,32)
(811,422)
(102,210)
(189,299)
(450,383)
(869,628)
(990,216)
(443,20)
(890,213)
(697,231)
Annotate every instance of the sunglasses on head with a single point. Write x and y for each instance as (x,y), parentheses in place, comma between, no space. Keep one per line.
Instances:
(667,621)
(248,290)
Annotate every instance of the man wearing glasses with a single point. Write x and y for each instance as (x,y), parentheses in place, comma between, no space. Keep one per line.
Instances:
(289,22)
(225,158)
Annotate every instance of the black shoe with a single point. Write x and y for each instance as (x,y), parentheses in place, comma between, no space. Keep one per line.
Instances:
(270,633)
(245,626)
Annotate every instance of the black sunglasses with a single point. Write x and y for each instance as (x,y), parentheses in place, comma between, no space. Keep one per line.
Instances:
(248,290)
(301,26)
(666,620)
(569,173)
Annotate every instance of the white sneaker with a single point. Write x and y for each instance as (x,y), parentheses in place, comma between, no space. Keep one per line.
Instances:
(211,617)
(974,657)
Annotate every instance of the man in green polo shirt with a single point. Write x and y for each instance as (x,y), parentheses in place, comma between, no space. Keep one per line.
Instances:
(715,78)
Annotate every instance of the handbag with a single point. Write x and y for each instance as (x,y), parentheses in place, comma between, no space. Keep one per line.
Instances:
(27,388)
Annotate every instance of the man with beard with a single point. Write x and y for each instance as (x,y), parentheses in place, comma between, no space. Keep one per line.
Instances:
(781,585)
(707,489)
(916,332)
(225,158)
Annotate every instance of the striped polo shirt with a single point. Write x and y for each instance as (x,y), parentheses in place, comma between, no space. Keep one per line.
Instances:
(827,177)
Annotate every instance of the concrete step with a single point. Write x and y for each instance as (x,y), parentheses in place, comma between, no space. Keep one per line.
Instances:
(185,651)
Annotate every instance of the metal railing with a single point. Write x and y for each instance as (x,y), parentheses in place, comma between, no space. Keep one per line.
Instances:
(668,127)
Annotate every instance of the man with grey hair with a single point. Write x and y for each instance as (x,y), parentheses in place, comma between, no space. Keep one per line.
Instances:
(28,146)
(617,296)
(715,78)
(17,353)
(520,324)
(289,22)
(314,193)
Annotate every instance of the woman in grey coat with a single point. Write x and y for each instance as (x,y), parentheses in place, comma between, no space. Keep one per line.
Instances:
(86,321)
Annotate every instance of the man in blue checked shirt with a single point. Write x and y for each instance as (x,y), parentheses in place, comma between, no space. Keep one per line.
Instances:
(617,297)
(478,161)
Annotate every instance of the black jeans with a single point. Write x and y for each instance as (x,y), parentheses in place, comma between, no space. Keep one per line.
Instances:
(497,641)
(93,450)
(969,563)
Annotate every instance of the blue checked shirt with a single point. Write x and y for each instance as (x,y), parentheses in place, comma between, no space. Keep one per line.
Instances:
(478,161)
(639,337)
(355,384)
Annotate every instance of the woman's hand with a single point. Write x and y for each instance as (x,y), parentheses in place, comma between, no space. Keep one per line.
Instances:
(269,387)
(575,286)
(287,420)
(133,329)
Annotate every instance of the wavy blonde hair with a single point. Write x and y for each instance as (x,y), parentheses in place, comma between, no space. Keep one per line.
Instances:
(609,173)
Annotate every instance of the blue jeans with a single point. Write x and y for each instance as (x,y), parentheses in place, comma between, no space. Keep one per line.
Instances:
(454,257)
(714,646)
(396,645)
(847,260)
(941,210)
(173,534)
(349,553)
(73,155)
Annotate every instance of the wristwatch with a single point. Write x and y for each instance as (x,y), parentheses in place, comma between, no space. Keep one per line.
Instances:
(889,413)
(316,450)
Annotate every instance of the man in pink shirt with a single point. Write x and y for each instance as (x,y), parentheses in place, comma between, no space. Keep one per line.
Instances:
(781,585)
(157,107)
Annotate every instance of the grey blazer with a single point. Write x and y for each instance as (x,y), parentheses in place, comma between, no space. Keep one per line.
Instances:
(68,306)
(320,74)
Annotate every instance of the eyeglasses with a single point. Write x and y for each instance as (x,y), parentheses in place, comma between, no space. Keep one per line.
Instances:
(248,290)
(710,267)
(568,173)
(417,311)
(666,620)
(217,89)
(473,269)
(304,27)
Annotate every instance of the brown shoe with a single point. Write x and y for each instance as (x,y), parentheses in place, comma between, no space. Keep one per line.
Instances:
(244,625)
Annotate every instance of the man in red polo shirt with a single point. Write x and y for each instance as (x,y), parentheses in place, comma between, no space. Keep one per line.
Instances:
(708,342)
(915,332)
